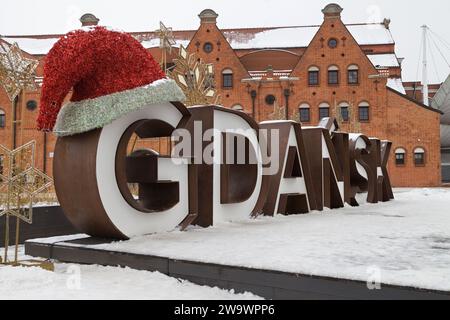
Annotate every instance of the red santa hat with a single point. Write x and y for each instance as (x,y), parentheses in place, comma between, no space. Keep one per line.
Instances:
(111,74)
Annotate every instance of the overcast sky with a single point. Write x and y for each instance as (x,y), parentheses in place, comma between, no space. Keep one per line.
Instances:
(60,16)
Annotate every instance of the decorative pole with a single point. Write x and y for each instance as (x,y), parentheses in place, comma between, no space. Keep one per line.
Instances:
(426,100)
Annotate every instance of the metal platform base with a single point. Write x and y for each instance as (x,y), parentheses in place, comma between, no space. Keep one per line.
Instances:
(47,222)
(266,283)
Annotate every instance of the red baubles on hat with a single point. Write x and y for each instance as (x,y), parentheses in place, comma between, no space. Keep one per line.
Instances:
(110,73)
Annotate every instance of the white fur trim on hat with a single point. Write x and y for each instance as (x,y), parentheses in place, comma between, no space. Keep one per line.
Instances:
(86,115)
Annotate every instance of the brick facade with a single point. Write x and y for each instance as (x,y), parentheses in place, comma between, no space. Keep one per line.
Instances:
(283,73)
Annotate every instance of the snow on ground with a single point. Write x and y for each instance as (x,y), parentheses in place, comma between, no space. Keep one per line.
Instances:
(73,281)
(406,240)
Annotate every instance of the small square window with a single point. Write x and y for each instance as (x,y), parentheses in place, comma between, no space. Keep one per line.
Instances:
(305,115)
(344,114)
(324,113)
(333,77)
(363,113)
(313,78)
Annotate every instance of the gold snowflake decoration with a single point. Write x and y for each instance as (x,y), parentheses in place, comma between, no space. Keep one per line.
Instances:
(20,181)
(195,78)
(351,124)
(16,71)
(279,113)
(166,42)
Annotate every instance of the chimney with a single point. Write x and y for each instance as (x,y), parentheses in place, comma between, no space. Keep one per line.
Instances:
(269,72)
(332,10)
(208,16)
(88,19)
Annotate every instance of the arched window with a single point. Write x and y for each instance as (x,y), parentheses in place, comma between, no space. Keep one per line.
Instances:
(324,110)
(2,118)
(363,110)
(353,74)
(237,107)
(400,156)
(419,156)
(333,75)
(313,76)
(227,78)
(344,109)
(305,112)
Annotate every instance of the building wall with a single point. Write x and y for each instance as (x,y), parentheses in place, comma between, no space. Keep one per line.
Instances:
(414,90)
(26,129)
(347,53)
(223,57)
(410,127)
(392,116)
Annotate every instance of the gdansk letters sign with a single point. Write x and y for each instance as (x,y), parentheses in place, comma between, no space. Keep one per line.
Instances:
(223,167)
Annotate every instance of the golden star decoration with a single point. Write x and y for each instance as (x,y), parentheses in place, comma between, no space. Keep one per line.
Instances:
(195,78)
(16,71)
(166,42)
(20,181)
(166,39)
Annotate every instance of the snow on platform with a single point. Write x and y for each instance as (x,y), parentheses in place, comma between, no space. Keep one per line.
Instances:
(407,241)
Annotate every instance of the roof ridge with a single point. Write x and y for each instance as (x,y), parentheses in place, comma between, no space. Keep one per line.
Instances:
(54,35)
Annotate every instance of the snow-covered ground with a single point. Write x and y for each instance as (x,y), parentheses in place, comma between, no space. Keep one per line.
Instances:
(72,281)
(402,242)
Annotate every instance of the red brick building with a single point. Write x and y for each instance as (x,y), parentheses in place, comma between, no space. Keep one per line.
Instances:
(414,89)
(332,69)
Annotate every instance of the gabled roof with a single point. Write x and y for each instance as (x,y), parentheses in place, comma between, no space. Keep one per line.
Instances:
(301,36)
(242,38)
(414,101)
